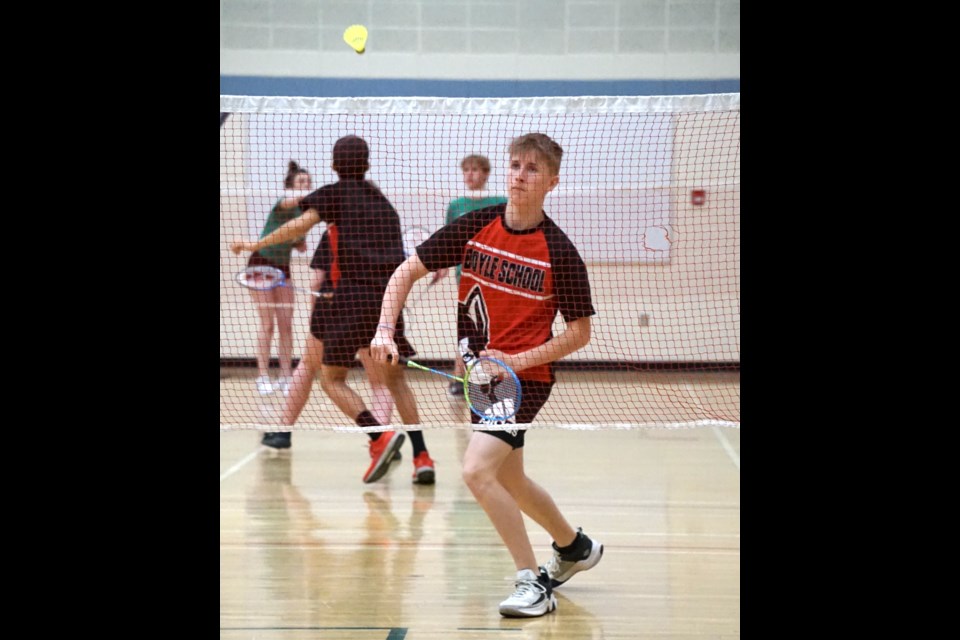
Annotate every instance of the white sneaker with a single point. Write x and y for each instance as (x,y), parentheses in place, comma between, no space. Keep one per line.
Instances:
(264,386)
(533,596)
(283,385)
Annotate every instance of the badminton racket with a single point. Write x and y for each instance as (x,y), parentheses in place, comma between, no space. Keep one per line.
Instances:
(491,388)
(264,278)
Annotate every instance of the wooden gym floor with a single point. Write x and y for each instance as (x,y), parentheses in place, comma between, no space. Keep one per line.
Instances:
(308,551)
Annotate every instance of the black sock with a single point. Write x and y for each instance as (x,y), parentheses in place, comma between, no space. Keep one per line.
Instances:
(366,419)
(416,439)
(574,547)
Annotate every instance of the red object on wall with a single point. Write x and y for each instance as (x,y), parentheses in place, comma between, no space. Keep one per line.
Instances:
(698,197)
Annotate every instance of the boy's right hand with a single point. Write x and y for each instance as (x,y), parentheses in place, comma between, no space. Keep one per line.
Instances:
(383,347)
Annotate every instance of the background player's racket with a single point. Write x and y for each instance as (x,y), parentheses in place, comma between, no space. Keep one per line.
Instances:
(413,237)
(491,388)
(264,278)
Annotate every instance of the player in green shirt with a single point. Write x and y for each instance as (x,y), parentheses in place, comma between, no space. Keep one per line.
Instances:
(276,305)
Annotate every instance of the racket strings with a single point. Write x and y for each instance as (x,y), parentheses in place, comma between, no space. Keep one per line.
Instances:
(497,398)
(261,278)
(413,238)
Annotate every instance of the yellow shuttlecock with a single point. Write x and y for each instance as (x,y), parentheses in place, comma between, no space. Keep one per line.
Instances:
(356,37)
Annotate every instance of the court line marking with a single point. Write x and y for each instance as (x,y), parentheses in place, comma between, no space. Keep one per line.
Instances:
(232,470)
(727,447)
(396,633)
(716,431)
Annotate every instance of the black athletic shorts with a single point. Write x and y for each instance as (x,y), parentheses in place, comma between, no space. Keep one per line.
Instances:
(350,323)
(534,395)
(322,308)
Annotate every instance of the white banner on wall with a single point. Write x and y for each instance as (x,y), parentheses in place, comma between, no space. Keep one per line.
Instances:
(613,199)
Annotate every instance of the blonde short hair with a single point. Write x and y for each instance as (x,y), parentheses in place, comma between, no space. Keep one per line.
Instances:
(541,144)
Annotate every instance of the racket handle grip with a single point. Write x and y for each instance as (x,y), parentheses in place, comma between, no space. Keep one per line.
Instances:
(401,359)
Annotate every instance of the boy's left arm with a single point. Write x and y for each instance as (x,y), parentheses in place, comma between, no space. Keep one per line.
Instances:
(575,336)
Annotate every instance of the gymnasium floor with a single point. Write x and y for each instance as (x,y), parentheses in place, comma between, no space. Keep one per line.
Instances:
(309,551)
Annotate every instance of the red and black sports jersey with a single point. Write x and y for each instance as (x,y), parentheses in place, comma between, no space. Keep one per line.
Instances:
(325,259)
(369,240)
(514,282)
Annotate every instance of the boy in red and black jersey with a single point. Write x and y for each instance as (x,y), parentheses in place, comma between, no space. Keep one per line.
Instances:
(519,271)
(514,282)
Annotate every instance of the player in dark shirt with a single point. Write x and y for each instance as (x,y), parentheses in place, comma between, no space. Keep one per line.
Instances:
(369,249)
